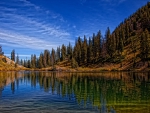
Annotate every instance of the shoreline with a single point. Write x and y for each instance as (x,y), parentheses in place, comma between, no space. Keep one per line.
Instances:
(80,69)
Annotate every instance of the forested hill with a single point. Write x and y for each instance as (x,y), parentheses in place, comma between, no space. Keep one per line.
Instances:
(127,47)
(130,41)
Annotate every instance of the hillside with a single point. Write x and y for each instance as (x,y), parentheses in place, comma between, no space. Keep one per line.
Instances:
(8,65)
(133,36)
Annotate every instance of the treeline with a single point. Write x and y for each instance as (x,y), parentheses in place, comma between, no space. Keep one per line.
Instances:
(133,34)
(84,52)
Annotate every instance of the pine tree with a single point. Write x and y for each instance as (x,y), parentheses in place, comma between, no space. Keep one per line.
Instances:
(104,50)
(58,54)
(63,52)
(41,61)
(37,63)
(90,52)
(78,50)
(121,43)
(33,61)
(69,51)
(13,55)
(17,59)
(29,64)
(24,63)
(1,52)
(45,58)
(127,34)
(21,62)
(48,58)
(99,44)
(108,42)
(84,50)
(94,48)
(53,58)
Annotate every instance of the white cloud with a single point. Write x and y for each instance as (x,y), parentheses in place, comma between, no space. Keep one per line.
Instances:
(27,3)
(20,55)
(74,26)
(113,1)
(15,39)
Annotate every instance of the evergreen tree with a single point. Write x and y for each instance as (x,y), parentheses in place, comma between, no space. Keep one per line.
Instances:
(63,52)
(24,63)
(29,64)
(94,48)
(37,63)
(84,50)
(21,62)
(90,52)
(48,58)
(77,50)
(1,52)
(45,58)
(127,32)
(108,42)
(121,45)
(99,44)
(13,55)
(53,59)
(33,61)
(104,50)
(58,54)
(17,59)
(41,61)
(69,51)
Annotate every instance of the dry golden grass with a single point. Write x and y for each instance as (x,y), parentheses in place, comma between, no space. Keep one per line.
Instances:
(8,65)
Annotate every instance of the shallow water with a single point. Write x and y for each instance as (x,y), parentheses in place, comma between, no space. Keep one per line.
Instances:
(53,92)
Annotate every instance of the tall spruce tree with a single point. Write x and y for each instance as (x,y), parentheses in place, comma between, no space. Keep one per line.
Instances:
(78,47)
(53,58)
(63,52)
(108,42)
(41,61)
(69,51)
(17,59)
(48,58)
(1,52)
(99,44)
(84,50)
(58,54)
(90,52)
(13,55)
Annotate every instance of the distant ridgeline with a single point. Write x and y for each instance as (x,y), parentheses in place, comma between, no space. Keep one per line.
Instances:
(128,46)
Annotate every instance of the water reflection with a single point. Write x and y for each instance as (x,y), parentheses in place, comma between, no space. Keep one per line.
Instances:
(109,92)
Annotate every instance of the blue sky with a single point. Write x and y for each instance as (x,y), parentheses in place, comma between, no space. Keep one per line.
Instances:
(30,26)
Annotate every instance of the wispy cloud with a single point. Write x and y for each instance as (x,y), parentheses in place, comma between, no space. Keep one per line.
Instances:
(82,1)
(14,39)
(20,55)
(34,28)
(27,3)
(114,2)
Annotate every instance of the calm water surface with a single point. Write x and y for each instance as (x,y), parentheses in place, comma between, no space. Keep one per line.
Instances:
(53,92)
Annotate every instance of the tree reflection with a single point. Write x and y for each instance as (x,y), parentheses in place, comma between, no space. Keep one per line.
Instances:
(118,89)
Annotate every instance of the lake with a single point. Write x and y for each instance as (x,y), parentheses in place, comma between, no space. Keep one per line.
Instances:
(59,92)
